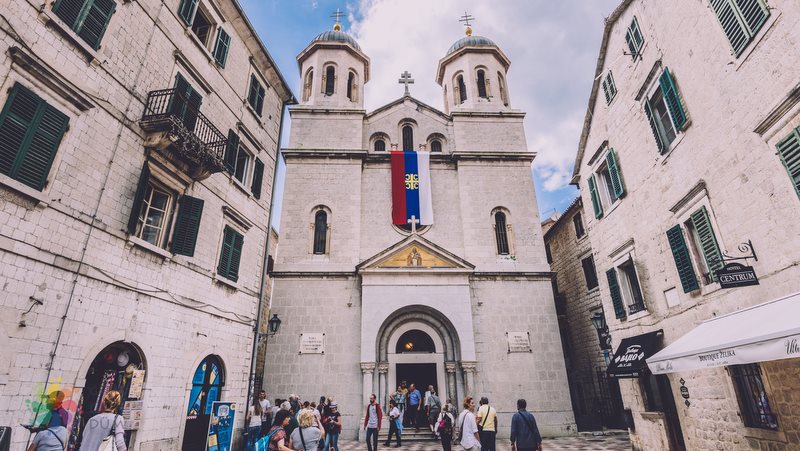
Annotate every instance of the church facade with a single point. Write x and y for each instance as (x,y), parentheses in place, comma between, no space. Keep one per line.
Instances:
(465,303)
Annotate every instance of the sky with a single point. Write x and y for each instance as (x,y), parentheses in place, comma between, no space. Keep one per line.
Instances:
(553,48)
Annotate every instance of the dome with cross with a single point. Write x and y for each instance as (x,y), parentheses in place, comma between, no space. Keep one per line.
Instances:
(471,41)
(336,36)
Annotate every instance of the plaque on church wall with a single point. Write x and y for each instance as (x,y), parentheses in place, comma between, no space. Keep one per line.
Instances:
(313,343)
(519,342)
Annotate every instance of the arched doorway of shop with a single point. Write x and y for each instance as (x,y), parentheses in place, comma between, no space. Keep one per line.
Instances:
(207,383)
(119,366)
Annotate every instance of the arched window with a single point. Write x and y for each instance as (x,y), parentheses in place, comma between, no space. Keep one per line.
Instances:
(501,233)
(320,232)
(351,86)
(380,145)
(408,139)
(330,80)
(309,81)
(415,341)
(207,383)
(482,84)
(462,89)
(502,86)
(436,146)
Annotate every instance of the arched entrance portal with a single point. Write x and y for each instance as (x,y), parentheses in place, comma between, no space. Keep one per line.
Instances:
(417,359)
(207,383)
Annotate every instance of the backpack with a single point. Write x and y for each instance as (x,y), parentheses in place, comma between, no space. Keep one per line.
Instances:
(446,424)
(263,443)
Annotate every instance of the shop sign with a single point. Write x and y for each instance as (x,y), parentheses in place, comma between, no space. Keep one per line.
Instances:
(133,414)
(519,342)
(312,343)
(734,275)
(220,426)
(633,354)
(137,381)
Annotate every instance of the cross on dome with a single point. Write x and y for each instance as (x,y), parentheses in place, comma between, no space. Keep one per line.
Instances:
(405,78)
(337,16)
(466,18)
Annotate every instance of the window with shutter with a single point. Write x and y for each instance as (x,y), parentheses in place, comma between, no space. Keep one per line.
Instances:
(255,98)
(683,261)
(789,153)
(87,18)
(665,111)
(187,225)
(589,272)
(577,221)
(230,254)
(31,131)
(616,294)
(634,38)
(186,11)
(231,151)
(186,103)
(707,242)
(614,174)
(609,88)
(671,98)
(221,48)
(651,118)
(598,207)
(258,178)
(741,20)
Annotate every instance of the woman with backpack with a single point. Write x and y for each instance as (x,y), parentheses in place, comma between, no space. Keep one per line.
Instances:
(276,439)
(444,427)
(434,407)
(253,417)
(332,422)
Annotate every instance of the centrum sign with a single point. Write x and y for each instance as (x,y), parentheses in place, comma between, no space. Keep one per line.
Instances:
(734,275)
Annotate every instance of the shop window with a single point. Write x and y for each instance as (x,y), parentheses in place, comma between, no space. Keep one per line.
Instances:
(651,392)
(754,403)
(207,384)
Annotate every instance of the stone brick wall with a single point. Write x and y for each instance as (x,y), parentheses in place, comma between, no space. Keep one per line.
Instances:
(67,246)
(732,168)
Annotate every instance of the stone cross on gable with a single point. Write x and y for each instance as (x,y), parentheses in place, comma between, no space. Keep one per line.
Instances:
(413,221)
(405,78)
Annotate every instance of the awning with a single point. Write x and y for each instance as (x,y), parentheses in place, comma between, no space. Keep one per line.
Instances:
(629,360)
(768,331)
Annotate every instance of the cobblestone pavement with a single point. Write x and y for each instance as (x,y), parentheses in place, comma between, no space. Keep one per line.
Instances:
(605,443)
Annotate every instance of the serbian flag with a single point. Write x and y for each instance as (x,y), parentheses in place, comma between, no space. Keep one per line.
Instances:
(411,187)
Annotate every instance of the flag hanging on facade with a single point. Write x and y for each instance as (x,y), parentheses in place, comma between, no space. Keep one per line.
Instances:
(411,188)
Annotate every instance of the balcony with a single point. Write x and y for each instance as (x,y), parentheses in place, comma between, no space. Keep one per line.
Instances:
(178,130)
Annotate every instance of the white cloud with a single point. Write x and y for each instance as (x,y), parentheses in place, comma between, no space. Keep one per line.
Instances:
(552,46)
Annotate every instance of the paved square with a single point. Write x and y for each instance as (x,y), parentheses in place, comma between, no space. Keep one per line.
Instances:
(602,443)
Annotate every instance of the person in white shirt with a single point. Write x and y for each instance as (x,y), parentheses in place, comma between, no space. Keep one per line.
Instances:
(266,413)
(468,435)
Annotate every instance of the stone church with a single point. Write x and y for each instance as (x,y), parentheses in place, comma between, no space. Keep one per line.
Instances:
(465,303)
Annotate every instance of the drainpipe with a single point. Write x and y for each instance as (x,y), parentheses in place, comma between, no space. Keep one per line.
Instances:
(263,288)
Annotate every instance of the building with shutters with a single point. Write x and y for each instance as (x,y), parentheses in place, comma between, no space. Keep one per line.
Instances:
(689,159)
(368,300)
(138,144)
(596,399)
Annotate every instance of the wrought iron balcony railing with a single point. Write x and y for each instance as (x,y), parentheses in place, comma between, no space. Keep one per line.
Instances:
(190,134)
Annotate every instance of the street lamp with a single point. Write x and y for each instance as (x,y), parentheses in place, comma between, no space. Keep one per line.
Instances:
(274,324)
(599,322)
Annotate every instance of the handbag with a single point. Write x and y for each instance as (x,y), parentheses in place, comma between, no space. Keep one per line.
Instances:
(108,443)
(483,423)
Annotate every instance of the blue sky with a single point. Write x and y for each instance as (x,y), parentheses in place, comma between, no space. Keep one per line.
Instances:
(552,45)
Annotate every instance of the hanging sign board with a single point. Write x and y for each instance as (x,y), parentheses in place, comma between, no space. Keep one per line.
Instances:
(312,343)
(220,426)
(734,275)
(519,342)
(137,381)
(133,414)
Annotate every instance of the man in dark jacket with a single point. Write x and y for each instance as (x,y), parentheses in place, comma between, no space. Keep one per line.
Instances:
(524,433)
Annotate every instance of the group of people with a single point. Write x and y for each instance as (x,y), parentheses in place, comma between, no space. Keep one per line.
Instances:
(292,424)
(473,430)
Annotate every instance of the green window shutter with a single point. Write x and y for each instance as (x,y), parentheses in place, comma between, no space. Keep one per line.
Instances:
(231,150)
(256,95)
(731,24)
(653,127)
(93,25)
(231,254)
(258,179)
(609,88)
(187,225)
(30,133)
(186,97)
(598,207)
(631,43)
(186,11)
(754,13)
(683,262)
(708,241)
(221,48)
(672,100)
(138,198)
(789,152)
(616,294)
(615,174)
(70,10)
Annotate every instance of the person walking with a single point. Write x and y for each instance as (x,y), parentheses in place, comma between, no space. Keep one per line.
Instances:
(253,417)
(105,424)
(444,427)
(308,435)
(266,413)
(434,408)
(400,400)
(468,429)
(333,426)
(524,432)
(486,418)
(395,423)
(53,438)
(414,407)
(372,422)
